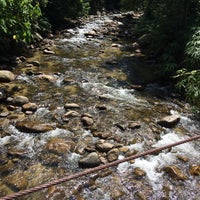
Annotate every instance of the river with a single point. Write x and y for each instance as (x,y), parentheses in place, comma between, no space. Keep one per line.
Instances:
(95,69)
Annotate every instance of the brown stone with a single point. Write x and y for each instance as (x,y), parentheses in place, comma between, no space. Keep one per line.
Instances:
(87,121)
(6,76)
(175,173)
(195,170)
(71,106)
(102,135)
(134,125)
(113,155)
(104,146)
(139,172)
(33,127)
(59,146)
(29,107)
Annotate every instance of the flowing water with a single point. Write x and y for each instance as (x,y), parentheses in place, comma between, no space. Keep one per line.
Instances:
(95,73)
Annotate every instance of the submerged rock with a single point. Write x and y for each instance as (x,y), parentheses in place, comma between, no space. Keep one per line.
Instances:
(59,146)
(17,181)
(169,121)
(6,76)
(33,127)
(91,160)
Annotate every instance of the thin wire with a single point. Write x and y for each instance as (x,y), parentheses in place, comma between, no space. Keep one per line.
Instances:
(95,169)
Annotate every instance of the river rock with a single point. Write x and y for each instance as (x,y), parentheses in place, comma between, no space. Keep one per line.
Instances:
(113,155)
(29,107)
(104,146)
(46,51)
(49,78)
(34,127)
(58,146)
(91,33)
(6,76)
(139,172)
(71,113)
(169,121)
(175,173)
(87,121)
(195,170)
(71,106)
(102,135)
(34,63)
(91,160)
(20,100)
(17,181)
(134,125)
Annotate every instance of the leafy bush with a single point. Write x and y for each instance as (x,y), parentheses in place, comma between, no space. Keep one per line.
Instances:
(189,83)
(17,18)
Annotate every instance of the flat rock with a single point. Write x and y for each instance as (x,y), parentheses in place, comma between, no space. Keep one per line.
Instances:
(91,160)
(6,76)
(71,106)
(33,127)
(104,146)
(169,121)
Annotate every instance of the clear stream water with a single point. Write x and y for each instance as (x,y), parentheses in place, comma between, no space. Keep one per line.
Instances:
(95,68)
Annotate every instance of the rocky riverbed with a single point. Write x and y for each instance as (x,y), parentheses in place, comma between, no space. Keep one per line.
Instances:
(88,97)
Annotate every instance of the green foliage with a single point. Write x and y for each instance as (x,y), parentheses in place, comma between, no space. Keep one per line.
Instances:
(190,83)
(193,49)
(17,17)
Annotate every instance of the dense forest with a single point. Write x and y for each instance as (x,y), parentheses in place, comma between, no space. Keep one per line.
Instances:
(169,29)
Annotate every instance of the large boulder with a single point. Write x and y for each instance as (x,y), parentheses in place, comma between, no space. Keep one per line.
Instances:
(33,127)
(6,76)
(169,121)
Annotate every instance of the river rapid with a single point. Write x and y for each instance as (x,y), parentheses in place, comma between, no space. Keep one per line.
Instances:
(96,101)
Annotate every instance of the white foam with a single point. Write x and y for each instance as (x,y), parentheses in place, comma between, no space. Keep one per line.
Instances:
(121,94)
(137,147)
(122,167)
